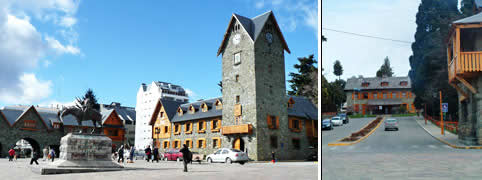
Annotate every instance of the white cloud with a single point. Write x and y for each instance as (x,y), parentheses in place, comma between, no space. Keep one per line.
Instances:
(22,45)
(59,48)
(68,21)
(29,90)
(192,95)
(259,4)
(364,56)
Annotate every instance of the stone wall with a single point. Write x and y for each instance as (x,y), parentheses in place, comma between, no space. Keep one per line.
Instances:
(469,130)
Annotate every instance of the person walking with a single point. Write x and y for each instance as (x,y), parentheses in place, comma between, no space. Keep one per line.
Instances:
(131,154)
(11,154)
(52,154)
(186,156)
(45,153)
(35,155)
(156,155)
(120,153)
(148,153)
(272,156)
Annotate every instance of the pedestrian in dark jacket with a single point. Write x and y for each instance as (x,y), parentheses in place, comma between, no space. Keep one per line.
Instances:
(272,156)
(52,154)
(186,156)
(131,155)
(34,157)
(148,153)
(120,153)
(156,154)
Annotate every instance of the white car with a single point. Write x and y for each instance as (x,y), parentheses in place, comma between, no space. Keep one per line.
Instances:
(228,156)
(337,121)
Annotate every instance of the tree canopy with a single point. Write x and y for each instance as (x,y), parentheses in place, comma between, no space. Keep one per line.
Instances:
(385,70)
(337,69)
(302,83)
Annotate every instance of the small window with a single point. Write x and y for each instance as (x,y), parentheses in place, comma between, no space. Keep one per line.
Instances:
(216,143)
(270,68)
(237,77)
(201,125)
(385,95)
(270,89)
(375,95)
(404,94)
(176,128)
(296,124)
(166,144)
(383,84)
(215,124)
(188,126)
(237,58)
(365,95)
(157,131)
(296,143)
(237,99)
(273,121)
(162,114)
(166,129)
(274,141)
(394,95)
(403,83)
(365,84)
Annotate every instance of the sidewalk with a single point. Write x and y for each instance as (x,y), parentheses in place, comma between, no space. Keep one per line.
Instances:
(448,137)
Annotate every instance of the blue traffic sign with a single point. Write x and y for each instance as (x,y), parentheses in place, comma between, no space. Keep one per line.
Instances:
(445,107)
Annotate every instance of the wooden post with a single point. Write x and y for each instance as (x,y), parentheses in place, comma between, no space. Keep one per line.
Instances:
(441,115)
(457,47)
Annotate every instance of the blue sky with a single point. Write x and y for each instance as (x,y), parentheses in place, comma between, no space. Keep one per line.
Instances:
(114,46)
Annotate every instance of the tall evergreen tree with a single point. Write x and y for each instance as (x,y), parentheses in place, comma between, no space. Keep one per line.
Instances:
(89,94)
(467,7)
(303,77)
(337,69)
(428,63)
(323,38)
(385,70)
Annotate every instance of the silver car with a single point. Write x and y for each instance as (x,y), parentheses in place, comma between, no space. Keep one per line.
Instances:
(228,155)
(391,124)
(337,121)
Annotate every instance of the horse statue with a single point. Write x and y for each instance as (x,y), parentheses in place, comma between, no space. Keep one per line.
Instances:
(84,111)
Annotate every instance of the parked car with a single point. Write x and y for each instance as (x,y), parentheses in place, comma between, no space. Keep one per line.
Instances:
(326,124)
(228,156)
(139,155)
(391,124)
(197,157)
(345,118)
(172,155)
(337,121)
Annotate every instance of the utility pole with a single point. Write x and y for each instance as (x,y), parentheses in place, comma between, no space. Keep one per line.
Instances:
(441,115)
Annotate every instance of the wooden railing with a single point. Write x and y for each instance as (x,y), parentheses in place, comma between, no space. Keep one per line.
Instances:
(466,63)
(237,129)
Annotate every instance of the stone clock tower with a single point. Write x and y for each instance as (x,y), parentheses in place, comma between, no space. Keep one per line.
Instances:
(254,90)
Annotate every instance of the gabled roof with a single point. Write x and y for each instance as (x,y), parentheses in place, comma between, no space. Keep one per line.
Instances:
(125,113)
(170,106)
(105,114)
(477,18)
(253,27)
(213,112)
(302,107)
(375,83)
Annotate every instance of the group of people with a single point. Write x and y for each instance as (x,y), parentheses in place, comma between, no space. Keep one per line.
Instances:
(154,154)
(125,150)
(47,155)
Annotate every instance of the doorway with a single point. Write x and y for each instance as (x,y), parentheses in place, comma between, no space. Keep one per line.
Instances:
(238,144)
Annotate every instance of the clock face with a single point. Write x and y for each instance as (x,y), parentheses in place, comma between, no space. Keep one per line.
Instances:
(269,37)
(237,38)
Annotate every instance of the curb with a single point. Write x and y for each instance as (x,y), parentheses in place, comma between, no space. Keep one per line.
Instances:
(359,140)
(447,143)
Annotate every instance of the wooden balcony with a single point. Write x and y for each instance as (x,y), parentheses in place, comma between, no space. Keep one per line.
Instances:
(466,65)
(237,129)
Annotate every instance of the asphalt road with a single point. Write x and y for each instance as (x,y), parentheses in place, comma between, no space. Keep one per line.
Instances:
(410,153)
(338,132)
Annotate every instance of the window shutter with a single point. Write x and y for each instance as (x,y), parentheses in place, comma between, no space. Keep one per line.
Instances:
(185,127)
(277,122)
(204,143)
(269,122)
(212,122)
(290,123)
(204,125)
(219,143)
(300,125)
(219,124)
(353,96)
(359,95)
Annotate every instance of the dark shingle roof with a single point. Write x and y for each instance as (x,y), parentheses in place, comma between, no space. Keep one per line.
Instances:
(105,114)
(303,108)
(47,115)
(171,107)
(253,27)
(13,112)
(477,18)
(375,83)
(212,112)
(125,113)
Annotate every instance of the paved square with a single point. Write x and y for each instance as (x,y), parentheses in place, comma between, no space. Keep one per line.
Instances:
(20,169)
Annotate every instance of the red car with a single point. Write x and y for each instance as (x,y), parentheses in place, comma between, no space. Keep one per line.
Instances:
(172,155)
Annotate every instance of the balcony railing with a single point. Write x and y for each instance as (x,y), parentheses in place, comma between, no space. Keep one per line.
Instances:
(237,129)
(467,62)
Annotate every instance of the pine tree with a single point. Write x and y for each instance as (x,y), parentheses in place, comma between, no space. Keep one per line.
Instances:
(428,63)
(323,38)
(385,70)
(467,8)
(337,69)
(89,94)
(303,77)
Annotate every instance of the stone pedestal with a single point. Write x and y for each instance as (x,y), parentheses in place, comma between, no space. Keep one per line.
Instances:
(85,151)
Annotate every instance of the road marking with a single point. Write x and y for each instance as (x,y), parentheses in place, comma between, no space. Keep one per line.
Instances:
(432,146)
(333,147)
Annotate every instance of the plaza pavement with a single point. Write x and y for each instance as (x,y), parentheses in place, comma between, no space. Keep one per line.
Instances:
(410,153)
(20,169)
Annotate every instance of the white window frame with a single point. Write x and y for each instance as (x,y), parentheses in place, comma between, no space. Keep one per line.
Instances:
(237,58)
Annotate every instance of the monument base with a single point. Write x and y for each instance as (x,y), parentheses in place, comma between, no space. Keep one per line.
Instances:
(46,170)
(84,151)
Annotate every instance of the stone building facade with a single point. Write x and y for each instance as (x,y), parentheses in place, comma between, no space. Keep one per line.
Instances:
(254,115)
(379,95)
